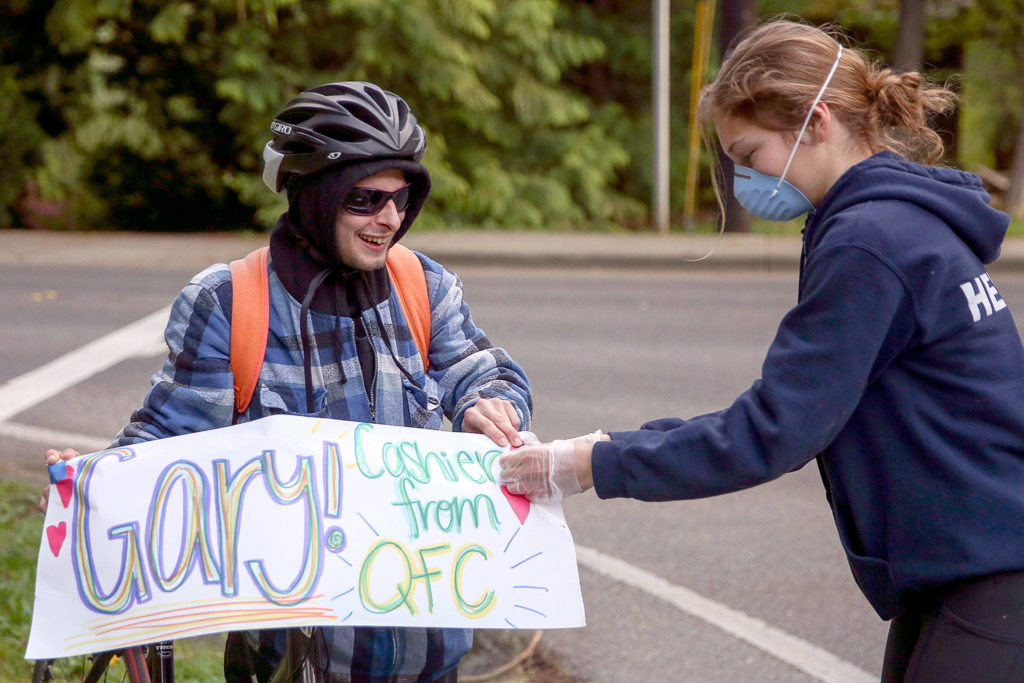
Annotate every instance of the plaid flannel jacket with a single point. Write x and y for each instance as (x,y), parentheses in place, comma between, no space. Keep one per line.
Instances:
(193,392)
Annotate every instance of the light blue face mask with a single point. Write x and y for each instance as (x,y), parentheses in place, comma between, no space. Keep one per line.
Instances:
(772,198)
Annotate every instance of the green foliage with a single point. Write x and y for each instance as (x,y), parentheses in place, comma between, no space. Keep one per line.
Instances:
(484,78)
(621,86)
(163,107)
(993,103)
(993,96)
(152,114)
(18,154)
(978,48)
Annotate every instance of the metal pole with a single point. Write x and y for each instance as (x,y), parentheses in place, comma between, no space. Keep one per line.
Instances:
(660,88)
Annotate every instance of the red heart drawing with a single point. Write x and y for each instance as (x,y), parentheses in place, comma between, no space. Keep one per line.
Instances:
(520,504)
(56,535)
(64,486)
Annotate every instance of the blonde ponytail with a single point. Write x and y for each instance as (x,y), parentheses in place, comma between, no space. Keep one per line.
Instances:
(772,75)
(900,113)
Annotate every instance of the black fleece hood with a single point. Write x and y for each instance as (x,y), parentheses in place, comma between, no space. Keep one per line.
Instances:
(304,245)
(314,202)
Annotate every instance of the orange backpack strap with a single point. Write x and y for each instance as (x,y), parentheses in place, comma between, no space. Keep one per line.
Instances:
(250,313)
(410,284)
(250,320)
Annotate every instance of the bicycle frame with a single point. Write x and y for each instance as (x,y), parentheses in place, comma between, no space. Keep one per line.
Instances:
(143,664)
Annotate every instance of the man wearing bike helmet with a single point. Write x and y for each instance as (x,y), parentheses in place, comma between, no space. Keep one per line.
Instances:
(347,155)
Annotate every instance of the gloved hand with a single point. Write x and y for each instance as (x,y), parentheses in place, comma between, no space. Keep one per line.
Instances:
(529,438)
(544,471)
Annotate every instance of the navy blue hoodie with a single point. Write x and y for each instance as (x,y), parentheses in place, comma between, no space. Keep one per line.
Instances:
(900,369)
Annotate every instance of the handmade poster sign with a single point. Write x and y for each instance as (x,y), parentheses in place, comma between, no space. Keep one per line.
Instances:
(290,521)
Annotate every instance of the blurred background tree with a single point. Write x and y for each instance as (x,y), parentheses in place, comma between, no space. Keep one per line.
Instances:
(152,114)
(156,112)
(976,47)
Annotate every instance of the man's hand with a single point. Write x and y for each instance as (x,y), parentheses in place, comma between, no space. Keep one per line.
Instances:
(53,456)
(495,418)
(550,471)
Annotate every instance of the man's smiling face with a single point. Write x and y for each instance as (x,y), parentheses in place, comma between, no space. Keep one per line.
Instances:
(363,241)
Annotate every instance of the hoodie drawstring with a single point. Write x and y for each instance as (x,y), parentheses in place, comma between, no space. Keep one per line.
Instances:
(307,349)
(306,336)
(387,343)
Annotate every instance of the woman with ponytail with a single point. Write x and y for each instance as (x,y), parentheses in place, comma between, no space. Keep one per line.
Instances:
(900,369)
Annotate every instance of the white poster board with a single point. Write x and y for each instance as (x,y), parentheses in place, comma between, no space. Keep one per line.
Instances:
(292,521)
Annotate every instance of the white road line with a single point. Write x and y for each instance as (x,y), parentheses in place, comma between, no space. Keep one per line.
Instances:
(136,339)
(54,438)
(799,653)
(141,339)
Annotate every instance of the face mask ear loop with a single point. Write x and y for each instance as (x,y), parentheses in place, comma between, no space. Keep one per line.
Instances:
(807,120)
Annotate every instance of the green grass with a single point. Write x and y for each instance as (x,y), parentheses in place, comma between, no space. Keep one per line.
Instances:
(21,523)
(20,526)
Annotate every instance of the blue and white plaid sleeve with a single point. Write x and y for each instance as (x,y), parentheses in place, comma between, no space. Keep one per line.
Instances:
(193,391)
(462,359)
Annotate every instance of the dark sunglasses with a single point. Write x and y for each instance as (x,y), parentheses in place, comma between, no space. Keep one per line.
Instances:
(367,201)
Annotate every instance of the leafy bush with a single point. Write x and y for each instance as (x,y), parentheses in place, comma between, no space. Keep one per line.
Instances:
(22,137)
(163,107)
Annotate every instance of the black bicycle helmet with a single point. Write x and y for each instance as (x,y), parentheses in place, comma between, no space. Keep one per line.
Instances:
(339,123)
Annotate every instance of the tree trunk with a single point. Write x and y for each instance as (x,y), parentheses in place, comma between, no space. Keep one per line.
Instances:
(908,53)
(736,16)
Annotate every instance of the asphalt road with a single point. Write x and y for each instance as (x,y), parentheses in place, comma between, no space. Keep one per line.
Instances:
(613,349)
(605,349)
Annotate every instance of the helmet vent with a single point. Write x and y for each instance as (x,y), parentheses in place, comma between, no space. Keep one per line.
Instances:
(365,116)
(341,133)
(332,90)
(295,116)
(377,97)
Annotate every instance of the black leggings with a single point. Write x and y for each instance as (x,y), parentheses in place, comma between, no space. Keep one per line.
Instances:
(969,632)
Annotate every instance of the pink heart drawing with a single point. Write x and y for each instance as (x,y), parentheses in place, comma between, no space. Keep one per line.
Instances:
(520,504)
(56,535)
(64,486)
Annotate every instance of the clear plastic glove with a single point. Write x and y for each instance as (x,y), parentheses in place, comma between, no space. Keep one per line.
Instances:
(544,471)
(593,437)
(529,438)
